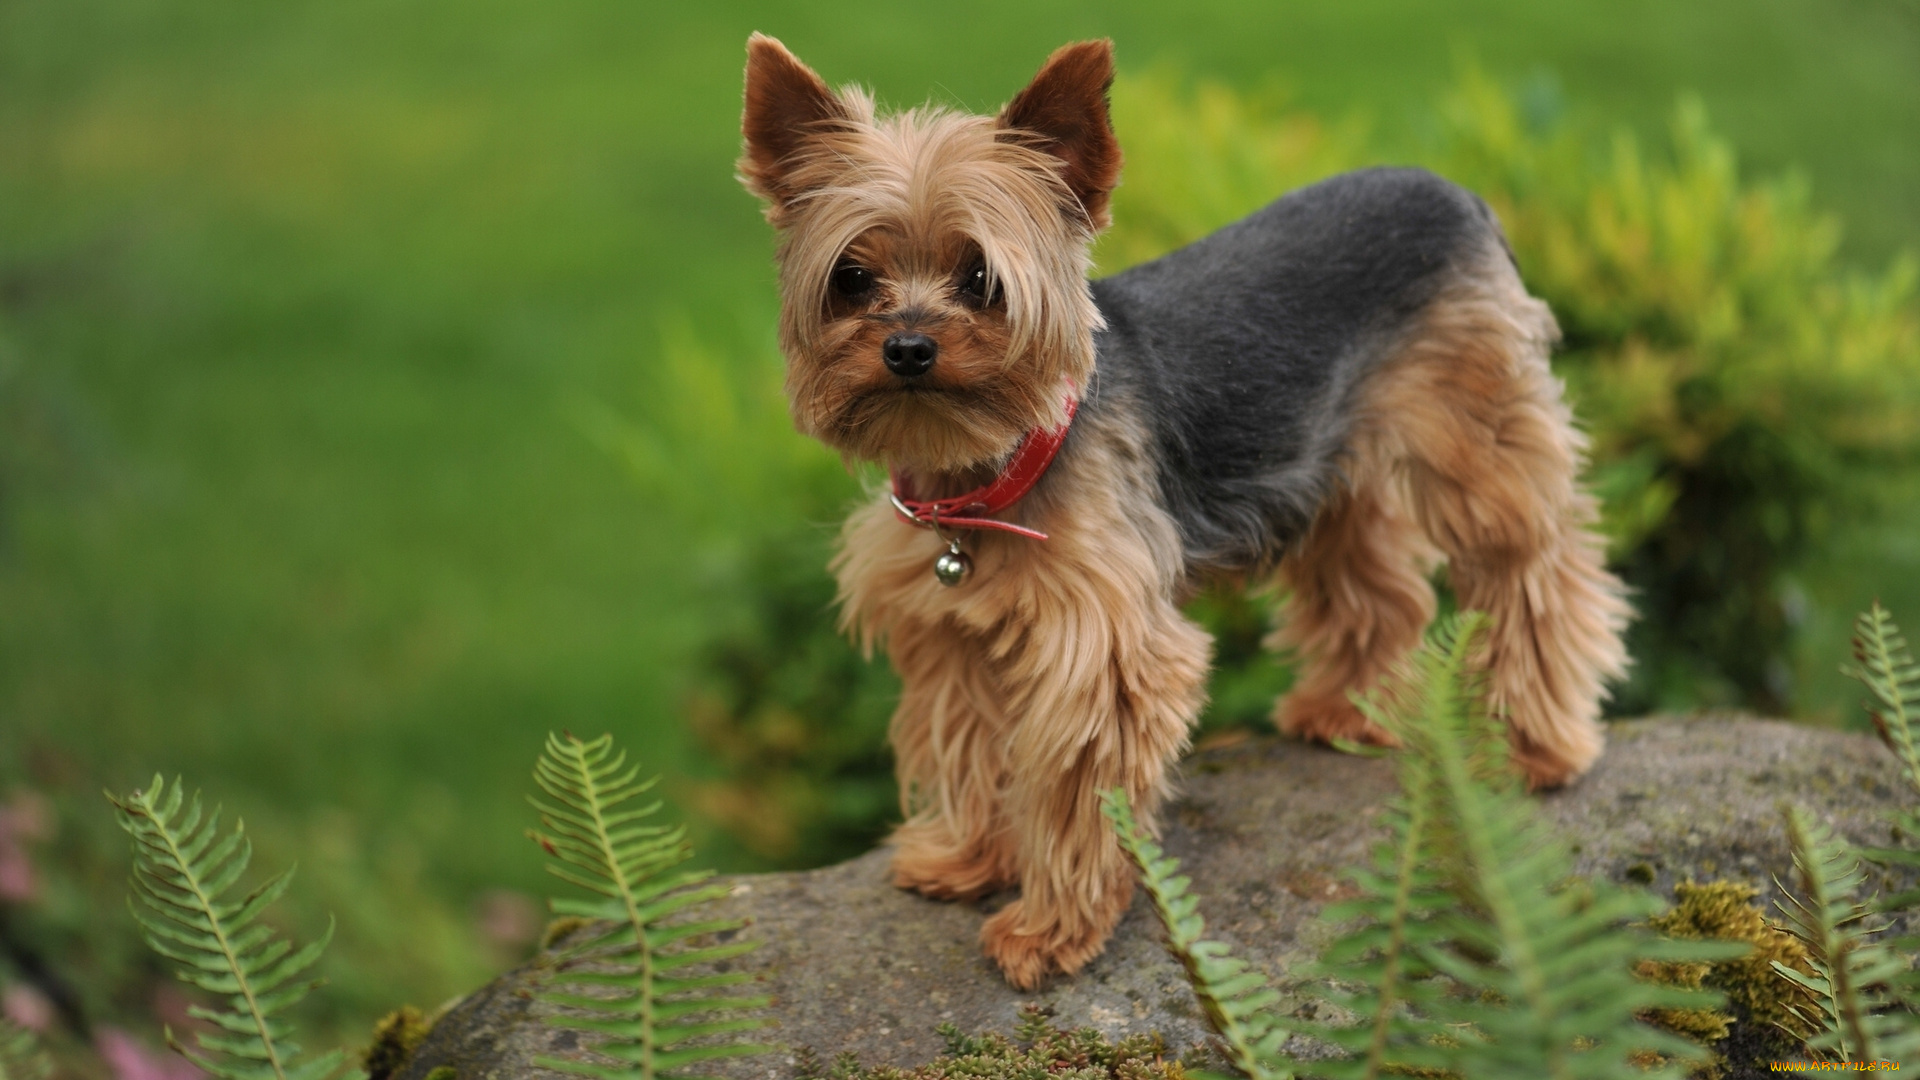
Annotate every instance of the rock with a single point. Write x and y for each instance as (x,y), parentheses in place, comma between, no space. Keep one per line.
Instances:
(1266,828)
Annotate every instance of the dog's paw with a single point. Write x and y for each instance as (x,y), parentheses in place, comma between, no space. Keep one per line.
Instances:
(1328,719)
(1549,767)
(1026,957)
(925,862)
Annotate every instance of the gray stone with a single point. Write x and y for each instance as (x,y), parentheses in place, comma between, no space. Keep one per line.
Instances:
(1267,828)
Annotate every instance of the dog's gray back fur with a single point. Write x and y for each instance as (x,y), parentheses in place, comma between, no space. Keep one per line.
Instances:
(1241,355)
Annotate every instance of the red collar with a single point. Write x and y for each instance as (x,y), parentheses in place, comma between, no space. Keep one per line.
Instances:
(967,511)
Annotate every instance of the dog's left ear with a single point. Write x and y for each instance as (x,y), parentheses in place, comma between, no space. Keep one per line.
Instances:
(786,105)
(1066,106)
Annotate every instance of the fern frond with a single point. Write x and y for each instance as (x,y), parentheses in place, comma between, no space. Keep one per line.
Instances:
(599,832)
(1885,665)
(1476,954)
(1237,1000)
(1849,999)
(20,1055)
(1394,924)
(1535,976)
(183,871)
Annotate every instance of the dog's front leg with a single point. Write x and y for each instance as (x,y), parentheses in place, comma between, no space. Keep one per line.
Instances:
(1103,686)
(950,731)
(949,738)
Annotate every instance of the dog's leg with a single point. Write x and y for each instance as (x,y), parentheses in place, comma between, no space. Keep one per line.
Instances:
(1491,459)
(949,738)
(1060,669)
(1358,601)
(1103,677)
(949,732)
(1105,695)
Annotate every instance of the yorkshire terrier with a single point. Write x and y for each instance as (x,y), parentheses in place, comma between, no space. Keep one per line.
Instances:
(1338,392)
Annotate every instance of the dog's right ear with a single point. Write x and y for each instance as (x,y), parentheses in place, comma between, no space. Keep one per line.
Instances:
(786,105)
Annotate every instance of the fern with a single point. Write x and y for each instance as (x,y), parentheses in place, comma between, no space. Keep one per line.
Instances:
(1849,996)
(1400,895)
(184,868)
(629,973)
(20,1055)
(1403,894)
(1887,668)
(1237,1000)
(1859,997)
(1537,971)
(1476,955)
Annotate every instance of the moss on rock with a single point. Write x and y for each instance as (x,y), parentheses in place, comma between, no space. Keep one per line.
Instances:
(395,1037)
(1037,1049)
(1758,1024)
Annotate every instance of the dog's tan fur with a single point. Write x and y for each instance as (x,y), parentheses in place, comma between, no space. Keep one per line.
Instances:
(1463,450)
(1065,668)
(1060,671)
(913,195)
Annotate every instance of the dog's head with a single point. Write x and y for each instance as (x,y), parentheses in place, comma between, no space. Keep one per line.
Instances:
(932,264)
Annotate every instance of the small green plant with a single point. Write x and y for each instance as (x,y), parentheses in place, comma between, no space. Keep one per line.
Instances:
(1850,1001)
(395,1037)
(1860,996)
(1237,1000)
(184,872)
(1037,1051)
(1476,953)
(630,973)
(1884,664)
(20,1055)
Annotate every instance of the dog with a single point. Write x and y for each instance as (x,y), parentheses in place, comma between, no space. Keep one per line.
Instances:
(1335,394)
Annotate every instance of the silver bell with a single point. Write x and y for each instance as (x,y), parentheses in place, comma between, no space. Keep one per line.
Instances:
(953,566)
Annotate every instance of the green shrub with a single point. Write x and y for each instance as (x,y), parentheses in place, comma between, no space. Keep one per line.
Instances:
(20,1055)
(794,715)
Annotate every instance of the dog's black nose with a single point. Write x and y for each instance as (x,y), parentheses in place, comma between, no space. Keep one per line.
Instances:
(909,354)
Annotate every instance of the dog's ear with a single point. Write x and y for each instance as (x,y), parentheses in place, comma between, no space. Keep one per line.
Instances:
(1066,106)
(786,105)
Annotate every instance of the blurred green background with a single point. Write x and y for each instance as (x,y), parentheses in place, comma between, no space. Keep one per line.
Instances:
(383,384)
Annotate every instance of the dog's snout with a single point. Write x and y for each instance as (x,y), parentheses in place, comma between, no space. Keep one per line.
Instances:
(908,354)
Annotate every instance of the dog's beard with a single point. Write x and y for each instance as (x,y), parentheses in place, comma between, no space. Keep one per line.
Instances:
(969,409)
(929,427)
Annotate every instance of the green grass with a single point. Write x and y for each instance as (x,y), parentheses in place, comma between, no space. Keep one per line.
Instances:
(301,305)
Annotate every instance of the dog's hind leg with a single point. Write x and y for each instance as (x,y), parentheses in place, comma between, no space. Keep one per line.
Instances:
(1473,417)
(1358,599)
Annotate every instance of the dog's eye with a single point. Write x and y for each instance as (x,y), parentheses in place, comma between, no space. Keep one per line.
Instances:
(852,281)
(973,284)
